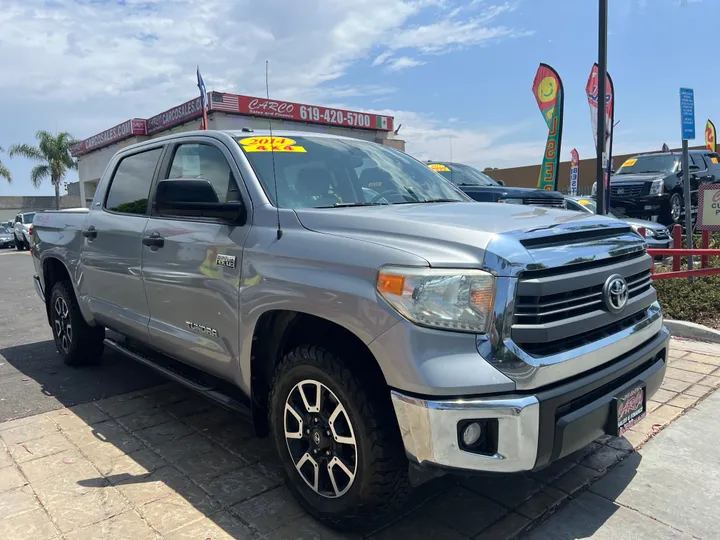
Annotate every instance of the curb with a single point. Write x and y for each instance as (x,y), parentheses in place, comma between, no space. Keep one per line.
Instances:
(688,330)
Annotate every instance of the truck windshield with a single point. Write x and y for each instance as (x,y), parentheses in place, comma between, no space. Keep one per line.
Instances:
(323,172)
(462,175)
(666,163)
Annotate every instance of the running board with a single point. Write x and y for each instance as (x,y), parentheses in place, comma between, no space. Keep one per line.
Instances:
(187,376)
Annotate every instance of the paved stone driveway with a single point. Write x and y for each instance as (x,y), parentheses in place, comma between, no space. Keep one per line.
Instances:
(165,463)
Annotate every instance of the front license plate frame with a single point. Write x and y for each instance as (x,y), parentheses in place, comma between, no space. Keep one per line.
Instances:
(628,409)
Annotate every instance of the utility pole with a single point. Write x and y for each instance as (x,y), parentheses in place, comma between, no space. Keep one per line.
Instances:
(601,158)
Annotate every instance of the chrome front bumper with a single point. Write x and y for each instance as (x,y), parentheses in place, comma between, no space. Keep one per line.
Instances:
(429,431)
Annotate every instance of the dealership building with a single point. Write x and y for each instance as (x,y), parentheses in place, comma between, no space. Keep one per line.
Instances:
(226,112)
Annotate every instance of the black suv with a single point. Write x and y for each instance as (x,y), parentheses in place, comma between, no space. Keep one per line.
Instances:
(482,188)
(650,185)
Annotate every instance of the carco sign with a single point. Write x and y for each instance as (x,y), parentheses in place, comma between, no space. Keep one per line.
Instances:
(177,115)
(709,207)
(129,128)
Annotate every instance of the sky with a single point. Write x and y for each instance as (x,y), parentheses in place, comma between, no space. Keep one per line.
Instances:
(455,73)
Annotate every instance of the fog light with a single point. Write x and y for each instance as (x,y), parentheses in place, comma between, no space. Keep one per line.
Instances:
(471,434)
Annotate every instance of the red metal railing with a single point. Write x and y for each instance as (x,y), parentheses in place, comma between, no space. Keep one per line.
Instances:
(703,252)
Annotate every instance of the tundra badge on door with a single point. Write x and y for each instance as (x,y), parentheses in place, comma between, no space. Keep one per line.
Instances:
(201,329)
(225,260)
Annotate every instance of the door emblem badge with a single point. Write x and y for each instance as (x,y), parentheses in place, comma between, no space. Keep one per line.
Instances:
(615,293)
(225,260)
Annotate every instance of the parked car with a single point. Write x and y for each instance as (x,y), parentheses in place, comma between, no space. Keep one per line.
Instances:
(657,235)
(379,340)
(6,238)
(482,188)
(650,185)
(21,230)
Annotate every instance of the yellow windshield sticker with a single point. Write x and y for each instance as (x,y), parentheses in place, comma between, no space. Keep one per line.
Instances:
(439,167)
(630,162)
(714,159)
(270,144)
(584,202)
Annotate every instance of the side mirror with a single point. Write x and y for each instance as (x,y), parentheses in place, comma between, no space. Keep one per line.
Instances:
(693,168)
(194,198)
(500,182)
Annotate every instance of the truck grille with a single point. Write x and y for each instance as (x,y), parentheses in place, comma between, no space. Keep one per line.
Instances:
(542,201)
(560,309)
(626,190)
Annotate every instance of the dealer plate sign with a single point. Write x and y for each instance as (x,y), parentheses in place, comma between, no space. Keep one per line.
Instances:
(709,207)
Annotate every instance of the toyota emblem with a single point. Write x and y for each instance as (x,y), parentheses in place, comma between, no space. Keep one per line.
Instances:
(615,293)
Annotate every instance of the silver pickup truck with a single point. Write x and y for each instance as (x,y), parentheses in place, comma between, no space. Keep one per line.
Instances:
(358,307)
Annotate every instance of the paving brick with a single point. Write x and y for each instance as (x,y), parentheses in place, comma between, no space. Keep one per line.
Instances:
(144,418)
(170,513)
(167,394)
(239,485)
(695,346)
(191,445)
(210,464)
(73,481)
(673,385)
(663,396)
(695,367)
(698,390)
(704,358)
(10,478)
(603,458)
(554,470)
(37,448)
(28,432)
(305,529)
(75,512)
(18,422)
(652,405)
(126,526)
(5,459)
(17,501)
(682,375)
(78,416)
(581,454)
(168,431)
(189,406)
(120,406)
(33,525)
(541,502)
(464,511)
(712,381)
(508,490)
(635,438)
(48,466)
(223,526)
(508,527)
(576,479)
(657,419)
(415,526)
(684,401)
(107,433)
(269,511)
(620,443)
(152,487)
(133,465)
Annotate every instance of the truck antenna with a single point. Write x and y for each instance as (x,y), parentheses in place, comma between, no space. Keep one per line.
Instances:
(451,162)
(272,157)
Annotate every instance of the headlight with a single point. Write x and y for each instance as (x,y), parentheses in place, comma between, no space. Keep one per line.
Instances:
(448,299)
(510,201)
(657,187)
(593,193)
(648,231)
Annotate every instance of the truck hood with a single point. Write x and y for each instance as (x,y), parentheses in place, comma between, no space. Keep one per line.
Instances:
(512,192)
(453,234)
(635,178)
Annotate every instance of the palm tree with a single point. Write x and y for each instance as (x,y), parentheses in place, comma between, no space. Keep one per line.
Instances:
(4,171)
(53,156)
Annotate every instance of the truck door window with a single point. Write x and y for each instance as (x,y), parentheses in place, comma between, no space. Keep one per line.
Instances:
(206,162)
(130,186)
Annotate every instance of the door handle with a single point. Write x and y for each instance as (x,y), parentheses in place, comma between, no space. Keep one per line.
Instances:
(154,240)
(90,232)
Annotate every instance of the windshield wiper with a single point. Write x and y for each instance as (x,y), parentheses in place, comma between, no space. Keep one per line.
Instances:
(350,204)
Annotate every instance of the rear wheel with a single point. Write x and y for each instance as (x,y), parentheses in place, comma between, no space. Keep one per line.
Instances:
(674,210)
(337,439)
(77,342)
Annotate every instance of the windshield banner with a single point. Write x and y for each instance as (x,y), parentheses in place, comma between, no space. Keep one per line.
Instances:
(710,137)
(592,95)
(548,91)
(574,171)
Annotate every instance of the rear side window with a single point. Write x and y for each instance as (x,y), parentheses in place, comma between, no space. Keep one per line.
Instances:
(130,187)
(698,160)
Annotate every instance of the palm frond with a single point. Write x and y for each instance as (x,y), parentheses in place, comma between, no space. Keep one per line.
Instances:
(27,151)
(5,173)
(39,173)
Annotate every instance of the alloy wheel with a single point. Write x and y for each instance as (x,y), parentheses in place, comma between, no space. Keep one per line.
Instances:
(675,209)
(320,439)
(62,324)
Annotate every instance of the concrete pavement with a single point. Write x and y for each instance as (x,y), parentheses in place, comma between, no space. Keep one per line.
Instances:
(669,489)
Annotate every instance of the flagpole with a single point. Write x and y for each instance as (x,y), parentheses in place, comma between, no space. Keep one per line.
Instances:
(602,77)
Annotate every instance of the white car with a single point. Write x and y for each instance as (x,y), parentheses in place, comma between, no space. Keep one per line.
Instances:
(21,230)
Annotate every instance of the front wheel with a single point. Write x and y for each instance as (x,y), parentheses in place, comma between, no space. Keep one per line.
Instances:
(337,440)
(675,209)
(77,342)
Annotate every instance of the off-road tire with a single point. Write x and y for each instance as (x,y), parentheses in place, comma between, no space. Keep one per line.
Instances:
(381,483)
(84,345)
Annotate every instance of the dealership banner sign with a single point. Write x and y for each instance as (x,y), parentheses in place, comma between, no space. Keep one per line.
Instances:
(574,171)
(129,128)
(548,91)
(593,93)
(710,137)
(709,207)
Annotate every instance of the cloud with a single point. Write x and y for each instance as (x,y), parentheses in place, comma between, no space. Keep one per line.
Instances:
(403,62)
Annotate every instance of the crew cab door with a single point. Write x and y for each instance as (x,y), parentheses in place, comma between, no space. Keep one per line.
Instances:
(192,265)
(111,254)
